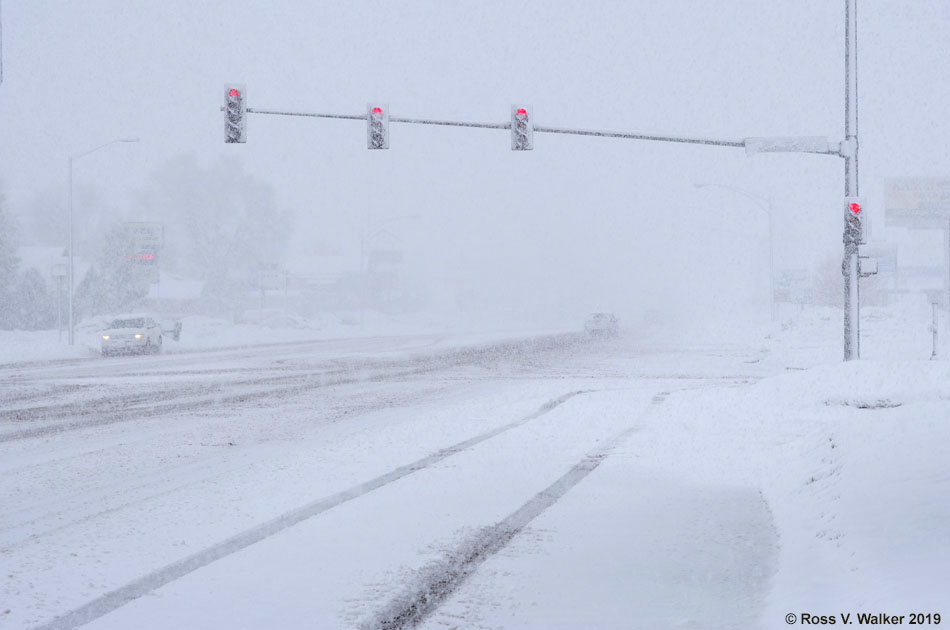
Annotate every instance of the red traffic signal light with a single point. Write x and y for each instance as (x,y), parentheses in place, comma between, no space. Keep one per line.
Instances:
(522,129)
(377,126)
(235,113)
(854,220)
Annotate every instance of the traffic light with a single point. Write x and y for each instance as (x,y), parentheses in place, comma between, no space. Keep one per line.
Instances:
(522,128)
(854,218)
(235,113)
(377,126)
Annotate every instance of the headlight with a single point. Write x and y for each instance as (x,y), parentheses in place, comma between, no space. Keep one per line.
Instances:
(139,335)
(105,336)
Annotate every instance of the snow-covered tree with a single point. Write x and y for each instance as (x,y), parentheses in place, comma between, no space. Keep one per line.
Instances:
(113,284)
(43,217)
(220,221)
(33,304)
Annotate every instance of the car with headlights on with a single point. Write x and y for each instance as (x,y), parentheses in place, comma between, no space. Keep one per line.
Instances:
(134,334)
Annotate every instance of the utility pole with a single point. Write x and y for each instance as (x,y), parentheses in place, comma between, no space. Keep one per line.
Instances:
(850,262)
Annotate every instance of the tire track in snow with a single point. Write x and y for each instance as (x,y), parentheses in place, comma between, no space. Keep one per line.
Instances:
(126,490)
(437,581)
(104,411)
(121,596)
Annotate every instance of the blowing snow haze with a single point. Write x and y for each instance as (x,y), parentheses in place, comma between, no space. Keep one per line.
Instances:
(560,347)
(579,224)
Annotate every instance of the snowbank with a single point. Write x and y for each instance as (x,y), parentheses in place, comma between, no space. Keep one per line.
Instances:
(854,461)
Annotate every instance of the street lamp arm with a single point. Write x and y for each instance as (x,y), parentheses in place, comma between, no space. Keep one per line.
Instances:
(101,146)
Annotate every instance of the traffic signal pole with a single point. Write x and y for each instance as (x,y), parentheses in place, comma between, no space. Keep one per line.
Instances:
(850,265)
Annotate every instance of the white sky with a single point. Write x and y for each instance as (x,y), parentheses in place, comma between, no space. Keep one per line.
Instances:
(596,219)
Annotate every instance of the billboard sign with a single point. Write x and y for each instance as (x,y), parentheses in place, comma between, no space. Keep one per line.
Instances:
(145,241)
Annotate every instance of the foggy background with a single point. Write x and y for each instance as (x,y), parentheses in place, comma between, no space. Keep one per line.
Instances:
(486,235)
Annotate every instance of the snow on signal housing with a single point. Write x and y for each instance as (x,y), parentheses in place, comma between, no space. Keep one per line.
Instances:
(854,208)
(855,220)
(377,126)
(235,113)
(522,128)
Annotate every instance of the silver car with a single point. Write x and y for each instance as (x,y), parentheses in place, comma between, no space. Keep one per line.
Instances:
(135,334)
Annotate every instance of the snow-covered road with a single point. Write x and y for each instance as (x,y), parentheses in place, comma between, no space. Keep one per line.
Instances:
(541,482)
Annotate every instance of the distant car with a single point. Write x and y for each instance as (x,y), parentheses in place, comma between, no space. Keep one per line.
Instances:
(132,334)
(602,325)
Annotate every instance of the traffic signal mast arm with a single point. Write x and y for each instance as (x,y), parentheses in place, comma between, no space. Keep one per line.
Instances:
(507,125)
(792,144)
(416,121)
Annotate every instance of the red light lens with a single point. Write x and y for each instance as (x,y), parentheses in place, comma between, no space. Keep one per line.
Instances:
(855,208)
(234,93)
(377,111)
(521,113)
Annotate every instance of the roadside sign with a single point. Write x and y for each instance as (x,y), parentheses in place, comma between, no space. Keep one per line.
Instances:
(145,235)
(272,280)
(145,241)
(917,202)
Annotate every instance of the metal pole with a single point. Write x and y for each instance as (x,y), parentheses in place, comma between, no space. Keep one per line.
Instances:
(849,265)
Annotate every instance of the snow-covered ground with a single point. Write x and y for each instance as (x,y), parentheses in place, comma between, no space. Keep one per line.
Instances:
(676,478)
(201,332)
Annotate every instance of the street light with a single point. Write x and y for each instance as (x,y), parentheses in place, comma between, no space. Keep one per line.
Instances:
(73,158)
(765,205)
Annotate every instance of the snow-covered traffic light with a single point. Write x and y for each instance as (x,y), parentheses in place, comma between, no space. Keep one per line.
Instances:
(235,113)
(854,217)
(377,126)
(522,128)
